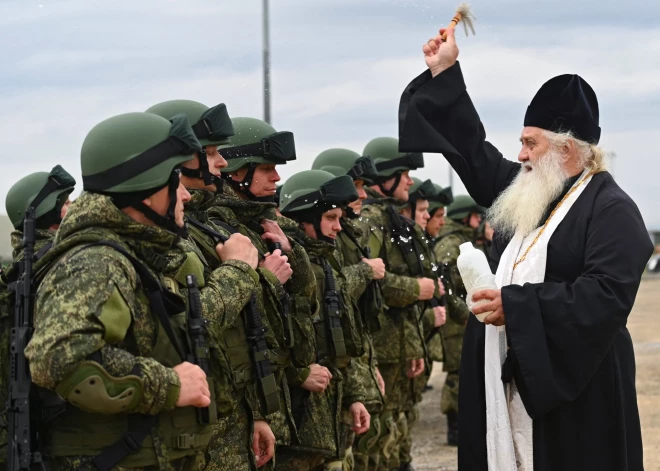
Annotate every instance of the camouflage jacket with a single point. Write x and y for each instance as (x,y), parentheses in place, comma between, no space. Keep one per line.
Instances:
(233,331)
(400,337)
(91,300)
(43,238)
(446,250)
(349,256)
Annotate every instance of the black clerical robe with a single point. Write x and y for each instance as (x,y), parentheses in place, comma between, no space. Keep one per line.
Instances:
(572,355)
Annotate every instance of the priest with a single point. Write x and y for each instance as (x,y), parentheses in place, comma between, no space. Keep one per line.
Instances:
(548,380)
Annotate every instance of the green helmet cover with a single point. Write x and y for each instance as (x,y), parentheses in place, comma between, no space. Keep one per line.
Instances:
(388,160)
(421,190)
(443,198)
(346,162)
(212,126)
(135,152)
(256,142)
(462,207)
(316,189)
(24,191)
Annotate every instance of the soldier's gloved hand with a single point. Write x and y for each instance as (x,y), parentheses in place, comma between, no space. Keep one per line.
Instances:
(415,368)
(278,265)
(274,233)
(381,382)
(426,289)
(194,388)
(263,443)
(361,418)
(318,379)
(440,316)
(238,247)
(377,266)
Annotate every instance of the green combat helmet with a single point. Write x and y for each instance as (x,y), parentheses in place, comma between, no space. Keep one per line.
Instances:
(255,142)
(346,162)
(48,211)
(211,126)
(132,156)
(390,163)
(462,207)
(444,198)
(309,194)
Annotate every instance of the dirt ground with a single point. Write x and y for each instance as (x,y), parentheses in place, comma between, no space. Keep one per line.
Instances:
(430,449)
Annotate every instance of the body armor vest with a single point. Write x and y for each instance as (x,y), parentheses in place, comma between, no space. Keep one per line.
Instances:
(128,439)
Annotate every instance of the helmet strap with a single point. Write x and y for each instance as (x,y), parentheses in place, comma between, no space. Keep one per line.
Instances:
(202,172)
(390,192)
(167,222)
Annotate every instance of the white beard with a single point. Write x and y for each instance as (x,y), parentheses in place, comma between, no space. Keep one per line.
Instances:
(520,207)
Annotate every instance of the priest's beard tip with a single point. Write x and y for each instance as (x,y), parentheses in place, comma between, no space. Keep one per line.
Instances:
(521,206)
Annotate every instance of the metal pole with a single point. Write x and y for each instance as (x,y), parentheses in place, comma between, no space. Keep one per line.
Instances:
(266,59)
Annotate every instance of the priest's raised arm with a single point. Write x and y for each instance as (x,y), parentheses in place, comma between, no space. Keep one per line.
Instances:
(436,114)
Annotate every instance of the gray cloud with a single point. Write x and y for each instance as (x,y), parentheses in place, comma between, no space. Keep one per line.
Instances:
(338,71)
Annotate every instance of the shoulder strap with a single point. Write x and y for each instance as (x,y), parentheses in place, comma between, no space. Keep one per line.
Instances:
(154,292)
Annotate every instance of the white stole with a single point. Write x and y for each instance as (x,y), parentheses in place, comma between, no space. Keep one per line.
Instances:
(509,431)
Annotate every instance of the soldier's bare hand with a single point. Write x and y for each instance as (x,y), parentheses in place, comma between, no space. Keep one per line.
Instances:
(440,316)
(441,288)
(426,289)
(318,379)
(381,382)
(361,418)
(263,443)
(273,232)
(238,247)
(377,266)
(279,265)
(415,368)
(194,388)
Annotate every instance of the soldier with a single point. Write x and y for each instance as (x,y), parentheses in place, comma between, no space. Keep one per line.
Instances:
(110,332)
(399,343)
(49,214)
(247,205)
(351,256)
(327,423)
(437,211)
(416,216)
(464,218)
(242,440)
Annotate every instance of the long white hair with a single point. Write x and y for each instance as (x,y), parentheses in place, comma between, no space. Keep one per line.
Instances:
(520,207)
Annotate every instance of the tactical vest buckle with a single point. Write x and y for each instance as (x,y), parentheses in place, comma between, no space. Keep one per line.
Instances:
(185,442)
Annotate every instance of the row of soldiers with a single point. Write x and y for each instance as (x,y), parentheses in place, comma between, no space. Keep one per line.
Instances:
(185,319)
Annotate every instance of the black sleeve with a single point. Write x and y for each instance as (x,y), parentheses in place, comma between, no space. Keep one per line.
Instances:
(437,115)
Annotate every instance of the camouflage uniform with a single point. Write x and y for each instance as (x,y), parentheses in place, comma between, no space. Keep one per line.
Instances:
(43,240)
(446,250)
(400,338)
(231,446)
(244,216)
(432,338)
(365,450)
(93,297)
(323,420)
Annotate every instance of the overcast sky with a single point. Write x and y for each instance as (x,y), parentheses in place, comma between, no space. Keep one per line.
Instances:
(338,70)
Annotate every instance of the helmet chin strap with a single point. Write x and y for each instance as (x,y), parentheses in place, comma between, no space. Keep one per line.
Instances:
(244,185)
(351,214)
(167,222)
(390,192)
(203,172)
